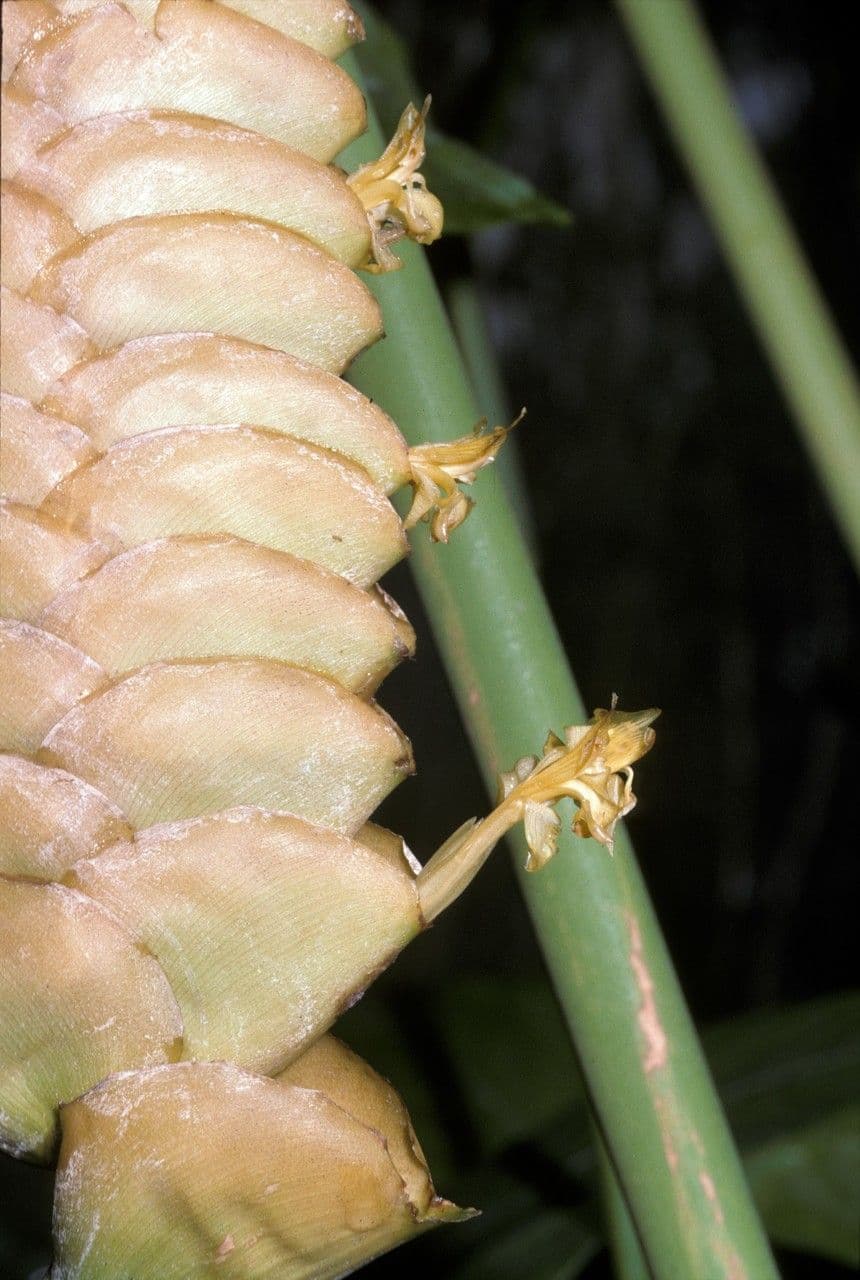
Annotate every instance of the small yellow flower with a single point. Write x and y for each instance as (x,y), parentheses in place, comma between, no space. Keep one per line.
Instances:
(438,468)
(395,194)
(591,765)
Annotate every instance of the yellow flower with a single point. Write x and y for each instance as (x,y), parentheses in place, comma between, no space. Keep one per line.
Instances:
(592,765)
(395,194)
(438,468)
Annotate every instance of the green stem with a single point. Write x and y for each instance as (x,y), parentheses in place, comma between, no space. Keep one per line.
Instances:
(473,339)
(647,1079)
(782,296)
(624,1248)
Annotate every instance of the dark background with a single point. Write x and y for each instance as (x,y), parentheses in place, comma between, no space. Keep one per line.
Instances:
(685,546)
(687,551)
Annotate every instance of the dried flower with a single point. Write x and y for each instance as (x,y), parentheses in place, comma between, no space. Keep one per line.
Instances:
(592,765)
(395,194)
(438,468)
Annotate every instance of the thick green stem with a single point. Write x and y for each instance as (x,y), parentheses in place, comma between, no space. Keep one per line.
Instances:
(473,339)
(649,1085)
(783,298)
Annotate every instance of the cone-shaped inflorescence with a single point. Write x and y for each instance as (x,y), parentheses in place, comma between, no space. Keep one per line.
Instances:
(195,515)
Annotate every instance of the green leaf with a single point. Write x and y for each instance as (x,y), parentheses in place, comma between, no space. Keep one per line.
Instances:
(782,1074)
(806,1187)
(475,191)
(511,1056)
(555,1244)
(386,66)
(777,1069)
(780,1069)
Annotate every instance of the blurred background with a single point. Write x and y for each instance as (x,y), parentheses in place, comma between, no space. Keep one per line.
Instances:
(692,563)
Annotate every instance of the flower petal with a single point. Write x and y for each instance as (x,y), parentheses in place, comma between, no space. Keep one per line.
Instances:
(541,824)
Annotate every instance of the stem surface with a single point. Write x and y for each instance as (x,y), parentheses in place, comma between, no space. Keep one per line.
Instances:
(650,1087)
(624,1247)
(473,339)
(783,298)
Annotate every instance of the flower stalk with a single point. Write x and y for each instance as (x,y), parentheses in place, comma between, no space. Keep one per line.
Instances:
(591,765)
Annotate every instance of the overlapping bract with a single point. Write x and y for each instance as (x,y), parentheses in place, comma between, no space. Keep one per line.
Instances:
(324,1172)
(195,515)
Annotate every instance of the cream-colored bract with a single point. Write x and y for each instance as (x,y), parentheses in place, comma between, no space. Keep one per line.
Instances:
(177,380)
(240,480)
(146,163)
(192,596)
(206,272)
(38,449)
(324,1172)
(194,517)
(201,57)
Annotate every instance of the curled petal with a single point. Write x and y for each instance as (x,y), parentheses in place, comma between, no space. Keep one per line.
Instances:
(603,805)
(449,515)
(541,824)
(523,769)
